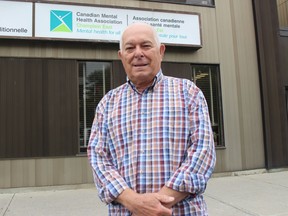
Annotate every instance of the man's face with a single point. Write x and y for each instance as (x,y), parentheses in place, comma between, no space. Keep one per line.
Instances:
(140,55)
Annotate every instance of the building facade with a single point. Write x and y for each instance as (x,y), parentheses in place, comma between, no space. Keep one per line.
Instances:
(53,72)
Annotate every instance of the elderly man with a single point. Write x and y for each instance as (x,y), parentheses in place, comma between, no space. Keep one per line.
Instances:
(151,146)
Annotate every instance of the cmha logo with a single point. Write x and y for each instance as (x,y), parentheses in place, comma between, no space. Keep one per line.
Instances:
(61,21)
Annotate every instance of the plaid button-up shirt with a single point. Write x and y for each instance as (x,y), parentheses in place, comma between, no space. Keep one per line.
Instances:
(144,141)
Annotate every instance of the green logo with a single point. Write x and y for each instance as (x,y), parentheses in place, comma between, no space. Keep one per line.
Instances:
(60,21)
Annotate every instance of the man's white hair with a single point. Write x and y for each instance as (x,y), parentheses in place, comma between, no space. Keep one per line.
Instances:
(156,38)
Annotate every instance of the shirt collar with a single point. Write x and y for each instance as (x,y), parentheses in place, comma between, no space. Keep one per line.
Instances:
(157,79)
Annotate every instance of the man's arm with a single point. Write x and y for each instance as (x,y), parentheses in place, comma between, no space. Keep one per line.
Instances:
(178,196)
(107,178)
(196,168)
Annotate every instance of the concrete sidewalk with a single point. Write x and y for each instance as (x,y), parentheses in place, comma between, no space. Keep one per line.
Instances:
(241,194)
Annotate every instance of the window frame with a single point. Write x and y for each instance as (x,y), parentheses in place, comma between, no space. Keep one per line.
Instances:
(212,4)
(282,14)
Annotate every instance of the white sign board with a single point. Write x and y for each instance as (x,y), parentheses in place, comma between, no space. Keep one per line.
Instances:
(16,19)
(106,24)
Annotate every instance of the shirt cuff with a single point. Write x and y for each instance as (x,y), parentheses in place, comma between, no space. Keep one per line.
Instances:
(190,183)
(112,190)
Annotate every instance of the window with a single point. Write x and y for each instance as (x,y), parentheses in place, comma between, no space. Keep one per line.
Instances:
(207,78)
(282,6)
(191,2)
(94,83)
